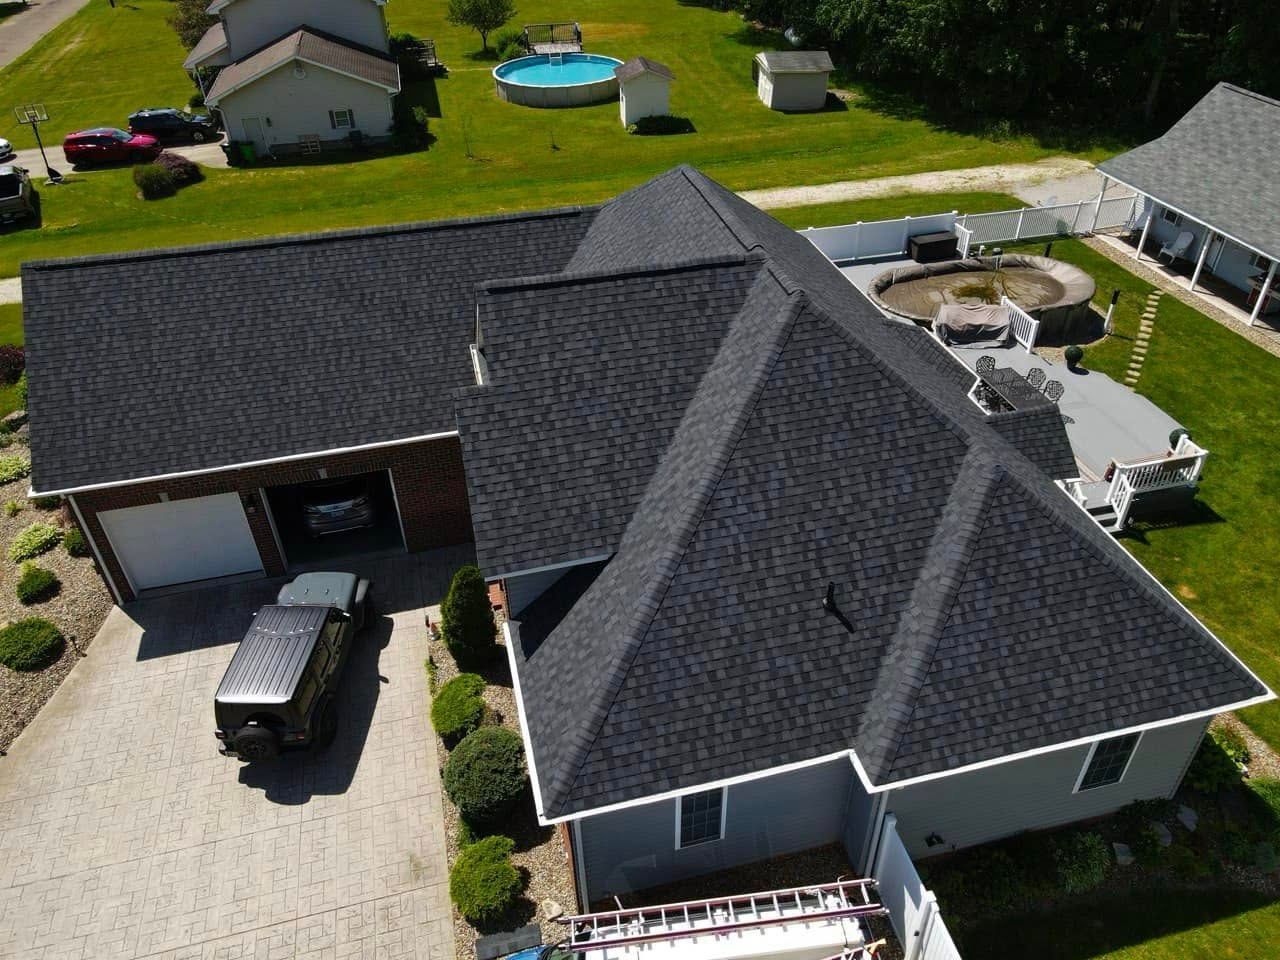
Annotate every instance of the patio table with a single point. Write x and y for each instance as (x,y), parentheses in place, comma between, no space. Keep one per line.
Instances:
(1014,390)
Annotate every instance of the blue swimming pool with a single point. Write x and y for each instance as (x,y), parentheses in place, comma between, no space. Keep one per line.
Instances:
(572,80)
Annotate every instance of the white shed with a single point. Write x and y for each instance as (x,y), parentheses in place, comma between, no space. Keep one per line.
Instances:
(644,89)
(793,79)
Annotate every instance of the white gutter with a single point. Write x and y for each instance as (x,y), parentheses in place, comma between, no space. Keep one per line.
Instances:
(247,465)
(97,554)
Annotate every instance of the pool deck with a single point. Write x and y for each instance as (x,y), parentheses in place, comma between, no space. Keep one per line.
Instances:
(1105,420)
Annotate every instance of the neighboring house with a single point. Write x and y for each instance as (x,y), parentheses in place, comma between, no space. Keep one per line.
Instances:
(792,80)
(299,75)
(1214,176)
(772,576)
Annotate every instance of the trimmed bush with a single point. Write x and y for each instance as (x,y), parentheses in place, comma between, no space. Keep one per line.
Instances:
(485,775)
(36,584)
(30,644)
(466,618)
(1073,355)
(1082,860)
(34,540)
(483,882)
(457,708)
(182,171)
(13,361)
(14,468)
(74,543)
(154,182)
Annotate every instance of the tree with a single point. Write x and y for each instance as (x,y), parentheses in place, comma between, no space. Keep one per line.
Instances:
(483,16)
(466,618)
(190,21)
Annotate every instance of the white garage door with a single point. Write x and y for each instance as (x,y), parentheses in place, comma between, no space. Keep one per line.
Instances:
(182,540)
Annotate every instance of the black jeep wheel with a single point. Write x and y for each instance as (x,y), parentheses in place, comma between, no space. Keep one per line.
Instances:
(256,744)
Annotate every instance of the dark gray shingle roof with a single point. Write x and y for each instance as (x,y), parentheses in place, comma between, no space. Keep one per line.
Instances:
(315,47)
(1217,164)
(815,443)
(796,61)
(1041,437)
(638,65)
(173,360)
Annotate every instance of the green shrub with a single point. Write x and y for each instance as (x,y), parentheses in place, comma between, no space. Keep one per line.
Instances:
(466,618)
(34,540)
(74,543)
(1184,862)
(483,882)
(182,170)
(30,644)
(457,708)
(508,37)
(12,508)
(1073,355)
(46,503)
(154,182)
(36,584)
(661,126)
(410,125)
(22,390)
(485,775)
(1212,768)
(1232,743)
(14,468)
(510,51)
(1264,857)
(1082,860)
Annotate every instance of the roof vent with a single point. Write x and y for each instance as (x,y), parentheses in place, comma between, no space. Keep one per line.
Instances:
(829,607)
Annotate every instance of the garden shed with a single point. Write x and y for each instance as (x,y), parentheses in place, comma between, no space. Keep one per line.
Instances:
(793,79)
(644,89)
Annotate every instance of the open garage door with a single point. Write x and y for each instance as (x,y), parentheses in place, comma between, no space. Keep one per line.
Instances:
(326,522)
(182,540)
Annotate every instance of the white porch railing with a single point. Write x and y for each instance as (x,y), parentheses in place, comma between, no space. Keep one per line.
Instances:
(965,236)
(874,238)
(913,909)
(1130,480)
(1024,326)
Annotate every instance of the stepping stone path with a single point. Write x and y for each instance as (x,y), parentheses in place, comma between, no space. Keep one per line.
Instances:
(1140,344)
(1162,833)
(1124,856)
(1188,817)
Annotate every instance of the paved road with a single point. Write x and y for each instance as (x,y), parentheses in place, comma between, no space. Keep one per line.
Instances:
(123,834)
(205,154)
(21,30)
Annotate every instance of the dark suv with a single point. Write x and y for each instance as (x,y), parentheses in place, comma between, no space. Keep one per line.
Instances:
(171,125)
(332,506)
(280,688)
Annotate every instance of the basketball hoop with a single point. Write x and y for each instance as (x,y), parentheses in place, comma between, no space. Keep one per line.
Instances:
(31,113)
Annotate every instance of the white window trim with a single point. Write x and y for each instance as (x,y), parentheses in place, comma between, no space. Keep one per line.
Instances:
(1259,262)
(724,809)
(343,113)
(1171,216)
(1084,768)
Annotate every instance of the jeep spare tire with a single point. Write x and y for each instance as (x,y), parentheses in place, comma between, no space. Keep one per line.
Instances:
(256,743)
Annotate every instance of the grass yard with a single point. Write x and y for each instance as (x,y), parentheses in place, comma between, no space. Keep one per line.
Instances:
(891,208)
(10,333)
(488,156)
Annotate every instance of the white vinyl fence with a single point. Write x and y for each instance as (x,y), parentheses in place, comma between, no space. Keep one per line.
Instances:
(913,909)
(875,238)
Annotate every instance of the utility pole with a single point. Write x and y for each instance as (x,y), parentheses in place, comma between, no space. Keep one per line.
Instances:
(35,114)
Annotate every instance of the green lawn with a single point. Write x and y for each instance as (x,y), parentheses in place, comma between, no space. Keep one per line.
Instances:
(10,332)
(891,208)
(489,155)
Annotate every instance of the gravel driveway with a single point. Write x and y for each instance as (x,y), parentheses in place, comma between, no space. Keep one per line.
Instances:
(124,834)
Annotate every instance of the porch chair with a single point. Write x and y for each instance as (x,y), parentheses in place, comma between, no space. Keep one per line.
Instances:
(986,363)
(1178,249)
(1035,377)
(1053,390)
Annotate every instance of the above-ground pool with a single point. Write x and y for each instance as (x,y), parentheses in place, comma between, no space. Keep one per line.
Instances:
(1055,293)
(571,80)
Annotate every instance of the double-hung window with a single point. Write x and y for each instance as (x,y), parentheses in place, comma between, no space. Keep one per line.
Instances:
(1107,762)
(1171,216)
(342,119)
(700,818)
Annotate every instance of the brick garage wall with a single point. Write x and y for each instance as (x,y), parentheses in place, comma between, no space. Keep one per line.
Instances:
(429,482)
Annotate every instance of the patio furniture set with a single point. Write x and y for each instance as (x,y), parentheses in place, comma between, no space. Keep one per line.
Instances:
(1003,388)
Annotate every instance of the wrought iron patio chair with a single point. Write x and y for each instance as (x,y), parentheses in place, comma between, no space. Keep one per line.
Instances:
(1035,377)
(1053,390)
(986,363)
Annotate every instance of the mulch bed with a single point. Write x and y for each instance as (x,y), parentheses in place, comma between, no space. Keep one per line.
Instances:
(78,610)
(539,854)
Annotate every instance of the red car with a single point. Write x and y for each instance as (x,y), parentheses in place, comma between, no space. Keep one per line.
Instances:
(109,145)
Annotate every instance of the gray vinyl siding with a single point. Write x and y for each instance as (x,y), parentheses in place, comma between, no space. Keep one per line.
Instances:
(1035,793)
(632,849)
(1230,264)
(252,24)
(524,589)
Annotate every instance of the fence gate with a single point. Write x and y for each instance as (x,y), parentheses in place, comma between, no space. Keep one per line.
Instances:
(913,909)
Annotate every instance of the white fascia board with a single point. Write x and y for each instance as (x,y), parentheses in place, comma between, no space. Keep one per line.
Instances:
(511,637)
(247,465)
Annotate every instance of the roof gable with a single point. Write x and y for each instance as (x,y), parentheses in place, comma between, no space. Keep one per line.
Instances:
(314,48)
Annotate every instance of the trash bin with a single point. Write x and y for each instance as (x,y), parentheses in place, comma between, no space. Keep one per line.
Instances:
(247,154)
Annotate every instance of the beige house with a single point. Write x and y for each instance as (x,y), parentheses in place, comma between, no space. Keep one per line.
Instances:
(299,76)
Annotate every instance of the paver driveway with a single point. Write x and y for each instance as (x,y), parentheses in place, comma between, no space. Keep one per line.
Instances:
(123,833)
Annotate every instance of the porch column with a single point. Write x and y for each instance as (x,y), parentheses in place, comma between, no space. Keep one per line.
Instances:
(1263,293)
(1097,206)
(1146,228)
(1204,253)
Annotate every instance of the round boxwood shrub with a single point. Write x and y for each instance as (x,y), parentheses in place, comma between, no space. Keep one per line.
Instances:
(457,708)
(30,644)
(36,584)
(466,618)
(74,543)
(483,882)
(154,182)
(485,775)
(34,540)
(1073,355)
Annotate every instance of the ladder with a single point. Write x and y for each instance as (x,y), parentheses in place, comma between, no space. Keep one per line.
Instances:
(721,915)
(556,58)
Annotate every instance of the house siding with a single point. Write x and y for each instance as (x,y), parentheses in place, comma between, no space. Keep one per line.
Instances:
(1035,793)
(1231,264)
(647,95)
(429,483)
(793,91)
(633,849)
(291,107)
(252,24)
(524,589)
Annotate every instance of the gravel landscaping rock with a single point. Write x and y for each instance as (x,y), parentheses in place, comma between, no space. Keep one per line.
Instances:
(1124,855)
(1188,817)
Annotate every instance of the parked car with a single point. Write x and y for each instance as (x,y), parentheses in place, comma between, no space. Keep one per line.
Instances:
(280,689)
(6,149)
(332,506)
(172,125)
(108,145)
(17,198)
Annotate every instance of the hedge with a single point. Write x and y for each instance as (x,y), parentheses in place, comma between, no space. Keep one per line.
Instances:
(30,644)
(485,775)
(483,882)
(457,708)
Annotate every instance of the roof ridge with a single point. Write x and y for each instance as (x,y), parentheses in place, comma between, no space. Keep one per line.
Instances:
(908,654)
(567,278)
(676,545)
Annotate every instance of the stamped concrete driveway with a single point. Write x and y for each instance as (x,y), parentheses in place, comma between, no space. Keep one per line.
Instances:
(123,833)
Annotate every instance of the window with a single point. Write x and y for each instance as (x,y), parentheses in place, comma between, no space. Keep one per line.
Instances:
(1171,216)
(1107,762)
(341,119)
(699,818)
(1259,262)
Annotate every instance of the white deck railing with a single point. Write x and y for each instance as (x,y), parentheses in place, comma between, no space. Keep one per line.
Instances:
(1024,326)
(1129,480)
(913,909)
